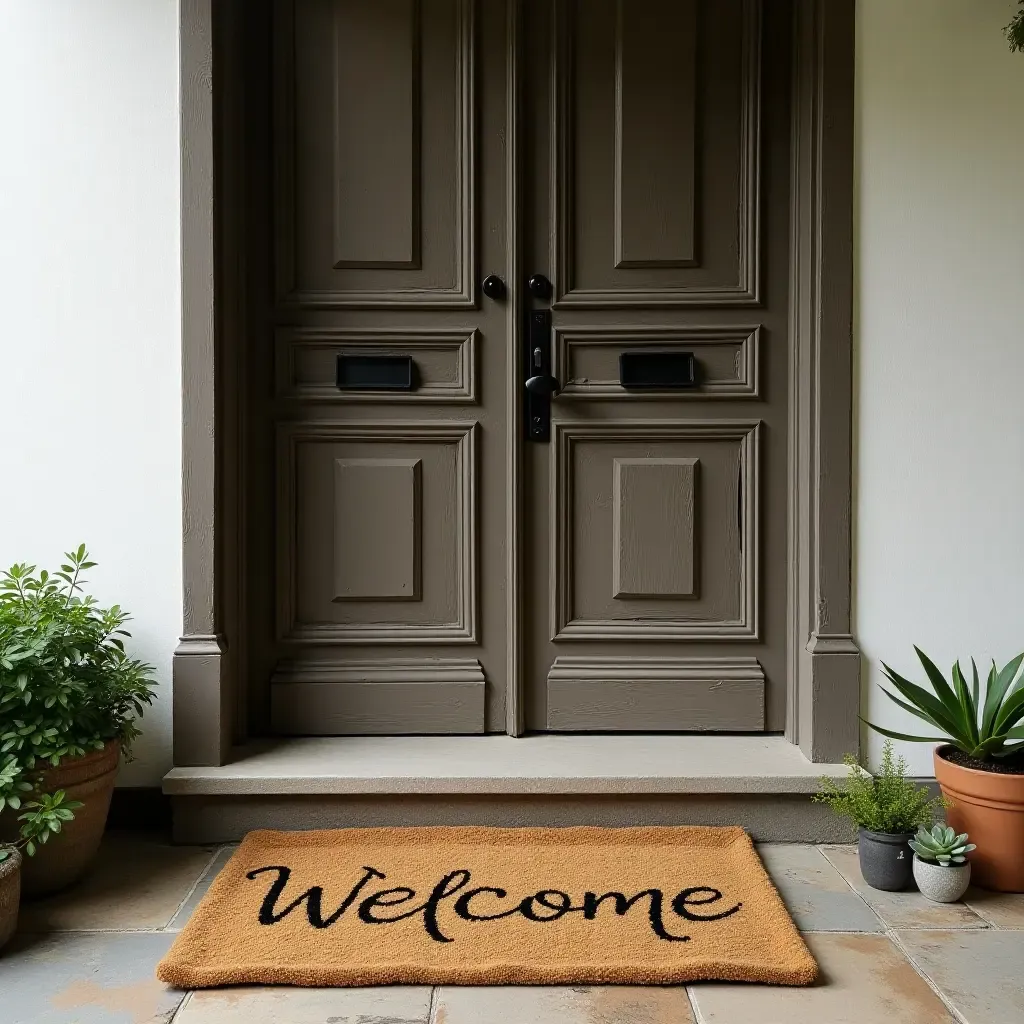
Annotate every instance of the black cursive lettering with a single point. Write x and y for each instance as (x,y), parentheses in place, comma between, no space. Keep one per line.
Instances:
(378,900)
(442,892)
(591,903)
(312,897)
(545,905)
(526,907)
(461,906)
(686,899)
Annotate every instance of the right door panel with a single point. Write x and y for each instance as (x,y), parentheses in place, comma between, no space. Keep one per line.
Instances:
(657,190)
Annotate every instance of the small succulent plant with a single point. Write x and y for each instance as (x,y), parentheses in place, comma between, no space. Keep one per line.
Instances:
(941,845)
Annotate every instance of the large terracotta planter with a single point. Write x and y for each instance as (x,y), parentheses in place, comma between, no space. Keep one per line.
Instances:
(66,856)
(989,806)
(10,895)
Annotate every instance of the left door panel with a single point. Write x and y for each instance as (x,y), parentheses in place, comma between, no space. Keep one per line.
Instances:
(389,201)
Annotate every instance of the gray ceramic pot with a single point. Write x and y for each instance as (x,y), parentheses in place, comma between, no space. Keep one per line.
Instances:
(942,884)
(886,860)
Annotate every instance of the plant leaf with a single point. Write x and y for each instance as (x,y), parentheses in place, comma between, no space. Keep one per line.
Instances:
(903,736)
(907,707)
(1010,713)
(942,689)
(938,713)
(998,683)
(964,697)
(975,686)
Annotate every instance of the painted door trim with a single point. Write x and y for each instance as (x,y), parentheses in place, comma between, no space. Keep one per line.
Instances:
(824,686)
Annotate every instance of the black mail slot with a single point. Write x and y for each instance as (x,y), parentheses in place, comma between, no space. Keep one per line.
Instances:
(657,370)
(376,373)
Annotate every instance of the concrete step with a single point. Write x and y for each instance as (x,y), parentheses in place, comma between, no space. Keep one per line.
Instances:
(761,782)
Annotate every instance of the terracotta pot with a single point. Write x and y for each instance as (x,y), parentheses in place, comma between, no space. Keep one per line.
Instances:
(989,807)
(66,856)
(10,895)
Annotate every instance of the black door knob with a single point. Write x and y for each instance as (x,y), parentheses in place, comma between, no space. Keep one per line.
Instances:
(543,384)
(493,287)
(539,286)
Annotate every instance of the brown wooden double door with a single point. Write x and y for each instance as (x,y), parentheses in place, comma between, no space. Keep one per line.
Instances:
(417,563)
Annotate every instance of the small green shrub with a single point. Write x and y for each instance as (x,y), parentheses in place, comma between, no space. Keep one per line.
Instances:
(1015,30)
(67,687)
(886,802)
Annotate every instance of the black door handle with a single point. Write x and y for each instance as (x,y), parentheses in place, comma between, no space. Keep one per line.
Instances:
(539,382)
(543,384)
(539,287)
(493,287)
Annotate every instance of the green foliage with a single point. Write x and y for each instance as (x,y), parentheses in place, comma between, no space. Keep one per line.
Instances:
(1015,30)
(983,729)
(67,687)
(942,845)
(887,802)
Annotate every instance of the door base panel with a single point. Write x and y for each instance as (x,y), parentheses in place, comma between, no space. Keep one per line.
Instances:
(637,694)
(763,783)
(390,696)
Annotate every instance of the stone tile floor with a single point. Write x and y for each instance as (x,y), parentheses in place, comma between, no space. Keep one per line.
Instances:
(88,957)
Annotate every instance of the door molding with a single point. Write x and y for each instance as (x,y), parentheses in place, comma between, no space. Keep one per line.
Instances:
(824,687)
(823,702)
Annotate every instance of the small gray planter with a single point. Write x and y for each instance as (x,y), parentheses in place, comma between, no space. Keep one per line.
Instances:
(886,860)
(941,884)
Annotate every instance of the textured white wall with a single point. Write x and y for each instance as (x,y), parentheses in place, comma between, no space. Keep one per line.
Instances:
(940,340)
(90,369)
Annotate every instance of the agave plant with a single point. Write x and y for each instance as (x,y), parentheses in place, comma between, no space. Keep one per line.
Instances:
(942,845)
(982,729)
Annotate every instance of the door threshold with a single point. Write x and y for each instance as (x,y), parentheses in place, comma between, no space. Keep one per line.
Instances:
(548,763)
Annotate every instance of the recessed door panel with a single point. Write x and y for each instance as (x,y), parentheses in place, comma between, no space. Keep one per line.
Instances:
(378,533)
(376,153)
(656,152)
(655,530)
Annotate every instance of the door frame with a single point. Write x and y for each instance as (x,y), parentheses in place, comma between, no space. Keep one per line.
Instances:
(823,691)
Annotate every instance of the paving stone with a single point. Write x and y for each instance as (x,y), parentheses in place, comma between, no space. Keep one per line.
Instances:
(815,893)
(213,869)
(866,980)
(901,909)
(136,882)
(276,1005)
(553,1004)
(86,978)
(980,973)
(1000,909)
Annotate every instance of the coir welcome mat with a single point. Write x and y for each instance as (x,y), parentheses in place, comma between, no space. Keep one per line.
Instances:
(490,906)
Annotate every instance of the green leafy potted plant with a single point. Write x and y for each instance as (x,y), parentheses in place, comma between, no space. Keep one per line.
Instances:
(886,808)
(979,763)
(941,868)
(1015,30)
(10,891)
(69,699)
(41,819)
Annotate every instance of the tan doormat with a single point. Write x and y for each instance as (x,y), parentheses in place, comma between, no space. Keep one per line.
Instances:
(490,906)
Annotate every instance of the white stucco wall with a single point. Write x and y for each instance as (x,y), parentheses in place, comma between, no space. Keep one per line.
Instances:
(90,368)
(90,341)
(939,339)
